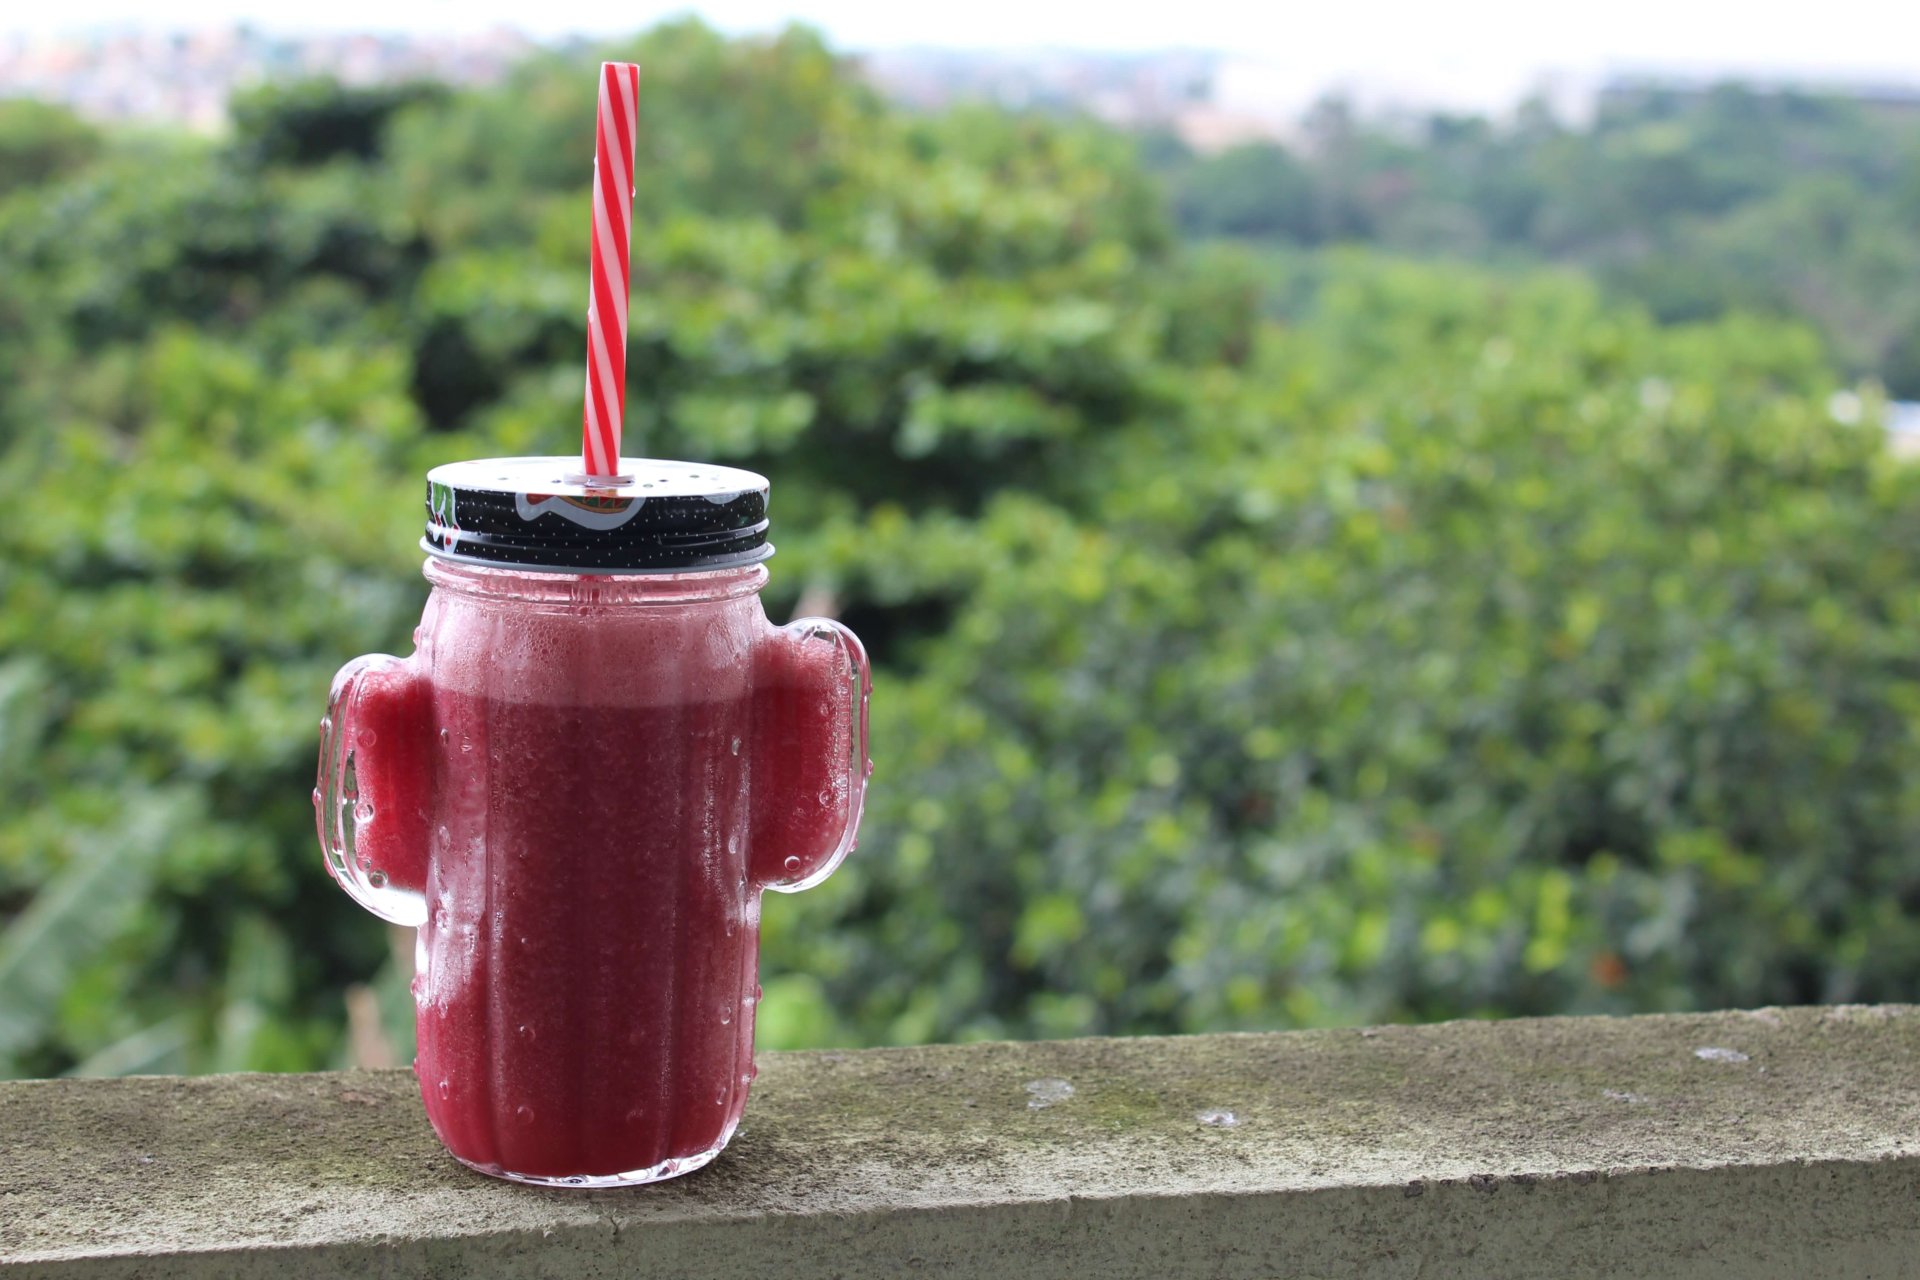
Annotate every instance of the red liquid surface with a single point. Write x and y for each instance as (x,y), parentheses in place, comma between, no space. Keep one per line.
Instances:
(593,869)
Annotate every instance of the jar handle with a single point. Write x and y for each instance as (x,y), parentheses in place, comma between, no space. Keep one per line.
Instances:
(369,692)
(808,806)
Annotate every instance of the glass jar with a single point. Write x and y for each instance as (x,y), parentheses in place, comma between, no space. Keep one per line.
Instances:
(578,786)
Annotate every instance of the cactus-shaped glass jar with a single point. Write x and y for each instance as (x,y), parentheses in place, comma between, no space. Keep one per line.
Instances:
(598,756)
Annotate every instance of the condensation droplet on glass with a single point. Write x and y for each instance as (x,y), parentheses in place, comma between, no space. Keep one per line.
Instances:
(758,991)
(444,1089)
(523,1113)
(792,865)
(363,812)
(726,1015)
(378,879)
(446,736)
(736,746)
(365,738)
(526,1031)
(825,797)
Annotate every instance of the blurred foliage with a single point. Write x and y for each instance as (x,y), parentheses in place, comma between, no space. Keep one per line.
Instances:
(40,142)
(1466,644)
(314,121)
(1694,204)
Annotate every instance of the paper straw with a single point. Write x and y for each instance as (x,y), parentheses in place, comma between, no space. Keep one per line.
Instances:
(606,392)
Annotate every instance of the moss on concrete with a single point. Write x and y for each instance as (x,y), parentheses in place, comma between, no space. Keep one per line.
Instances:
(177,1167)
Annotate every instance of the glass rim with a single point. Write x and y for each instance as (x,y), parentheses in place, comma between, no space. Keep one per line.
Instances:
(543,584)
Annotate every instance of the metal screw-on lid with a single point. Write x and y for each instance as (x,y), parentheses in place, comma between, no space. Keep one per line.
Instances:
(539,513)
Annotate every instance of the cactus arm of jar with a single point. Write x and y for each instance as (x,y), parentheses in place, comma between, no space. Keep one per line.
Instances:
(371,798)
(810,763)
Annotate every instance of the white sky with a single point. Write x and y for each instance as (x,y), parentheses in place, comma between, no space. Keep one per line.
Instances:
(1499,46)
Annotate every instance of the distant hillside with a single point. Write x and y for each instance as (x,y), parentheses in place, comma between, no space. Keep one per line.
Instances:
(1697,202)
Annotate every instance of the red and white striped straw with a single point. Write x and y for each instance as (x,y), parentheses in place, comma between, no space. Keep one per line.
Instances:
(612,251)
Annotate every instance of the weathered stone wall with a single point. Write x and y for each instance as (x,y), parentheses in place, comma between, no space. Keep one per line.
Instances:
(1777,1143)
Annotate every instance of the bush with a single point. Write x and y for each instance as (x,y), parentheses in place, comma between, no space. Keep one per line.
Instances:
(1484,651)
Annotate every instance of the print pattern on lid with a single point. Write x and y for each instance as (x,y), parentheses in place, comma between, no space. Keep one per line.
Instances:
(539,513)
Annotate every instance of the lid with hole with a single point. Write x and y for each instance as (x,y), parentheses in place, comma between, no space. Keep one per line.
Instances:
(538,513)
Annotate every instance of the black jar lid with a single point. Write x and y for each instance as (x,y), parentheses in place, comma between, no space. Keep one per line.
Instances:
(541,514)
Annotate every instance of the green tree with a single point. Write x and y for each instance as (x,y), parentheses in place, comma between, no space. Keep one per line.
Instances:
(1255,189)
(1476,615)
(40,141)
(1698,204)
(1461,642)
(312,121)
(236,361)
(1853,271)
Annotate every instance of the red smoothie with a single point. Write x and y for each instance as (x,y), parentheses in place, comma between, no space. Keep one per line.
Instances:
(591,786)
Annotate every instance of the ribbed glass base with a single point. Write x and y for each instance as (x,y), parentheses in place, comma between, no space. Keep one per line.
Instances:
(633,1178)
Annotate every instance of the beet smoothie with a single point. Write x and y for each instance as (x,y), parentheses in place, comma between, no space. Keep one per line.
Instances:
(578,786)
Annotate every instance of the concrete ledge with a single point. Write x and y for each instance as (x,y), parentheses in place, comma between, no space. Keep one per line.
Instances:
(1558,1147)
